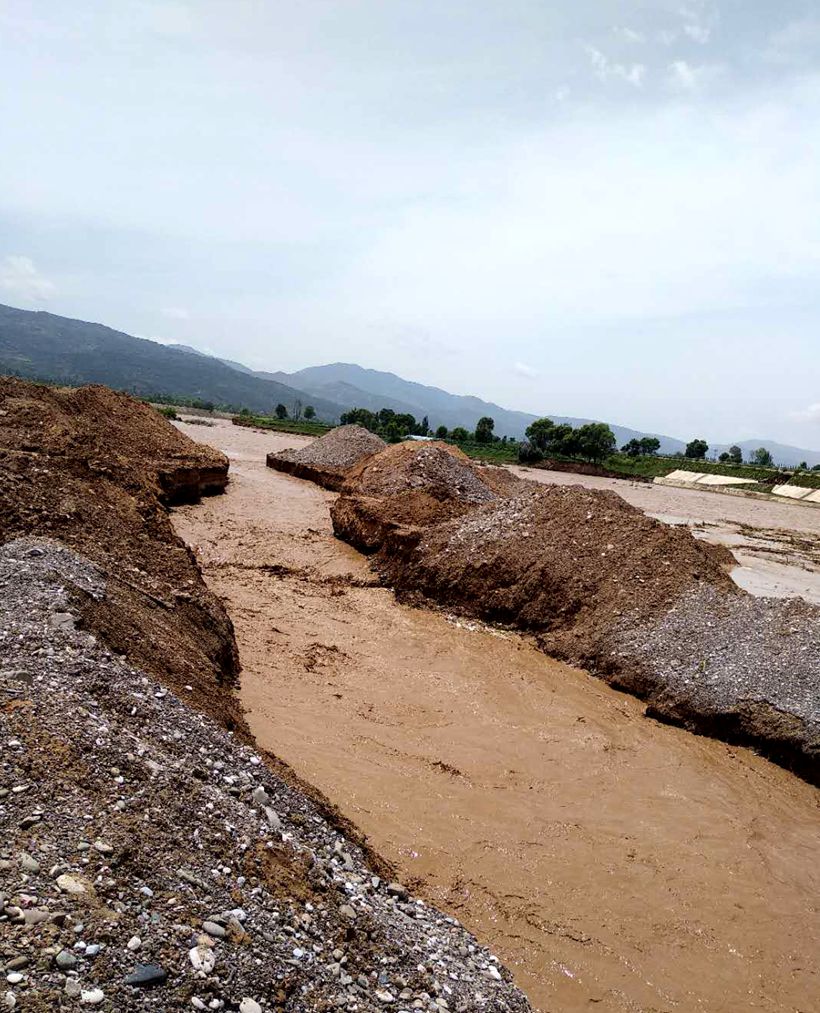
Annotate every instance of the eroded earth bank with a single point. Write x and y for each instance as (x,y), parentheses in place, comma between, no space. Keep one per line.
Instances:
(612,862)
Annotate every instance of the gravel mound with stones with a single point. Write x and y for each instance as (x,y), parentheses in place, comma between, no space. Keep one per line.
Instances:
(745,669)
(149,860)
(413,485)
(328,460)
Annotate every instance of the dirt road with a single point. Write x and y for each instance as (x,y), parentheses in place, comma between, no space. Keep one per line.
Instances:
(613,863)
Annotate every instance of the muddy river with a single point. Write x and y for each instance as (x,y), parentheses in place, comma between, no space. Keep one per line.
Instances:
(613,863)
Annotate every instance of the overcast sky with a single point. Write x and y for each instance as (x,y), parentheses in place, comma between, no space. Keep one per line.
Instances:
(605,208)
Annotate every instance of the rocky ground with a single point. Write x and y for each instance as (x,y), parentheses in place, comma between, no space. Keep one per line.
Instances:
(151,861)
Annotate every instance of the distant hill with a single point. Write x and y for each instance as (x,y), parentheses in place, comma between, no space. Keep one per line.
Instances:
(441,407)
(48,347)
(783,454)
(45,346)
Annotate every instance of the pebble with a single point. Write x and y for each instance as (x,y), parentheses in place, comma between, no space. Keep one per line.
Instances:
(249,1006)
(348,912)
(273,818)
(217,931)
(134,943)
(17,964)
(202,959)
(72,988)
(93,997)
(146,975)
(28,863)
(14,978)
(71,884)
(65,960)
(11,1000)
(260,796)
(92,950)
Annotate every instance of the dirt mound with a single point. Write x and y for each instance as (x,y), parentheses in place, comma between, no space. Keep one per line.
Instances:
(151,861)
(96,469)
(413,485)
(329,459)
(563,561)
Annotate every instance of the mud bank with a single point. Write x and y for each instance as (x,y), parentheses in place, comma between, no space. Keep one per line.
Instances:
(611,861)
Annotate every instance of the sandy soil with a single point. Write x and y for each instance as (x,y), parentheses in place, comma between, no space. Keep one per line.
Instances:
(613,863)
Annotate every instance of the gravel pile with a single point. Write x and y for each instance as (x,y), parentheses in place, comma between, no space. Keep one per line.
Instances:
(413,485)
(745,668)
(328,460)
(148,860)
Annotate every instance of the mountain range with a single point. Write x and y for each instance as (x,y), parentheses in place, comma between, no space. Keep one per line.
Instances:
(45,346)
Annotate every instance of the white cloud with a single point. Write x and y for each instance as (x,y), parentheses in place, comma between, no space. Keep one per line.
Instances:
(630,34)
(695,25)
(176,313)
(810,414)
(685,76)
(606,70)
(522,369)
(21,280)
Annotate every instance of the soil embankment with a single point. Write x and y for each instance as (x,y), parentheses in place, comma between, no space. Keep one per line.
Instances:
(610,860)
(96,470)
(597,581)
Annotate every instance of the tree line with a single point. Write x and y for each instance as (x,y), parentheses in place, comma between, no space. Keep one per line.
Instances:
(593,441)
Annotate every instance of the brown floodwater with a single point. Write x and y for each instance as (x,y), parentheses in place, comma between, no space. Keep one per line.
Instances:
(613,863)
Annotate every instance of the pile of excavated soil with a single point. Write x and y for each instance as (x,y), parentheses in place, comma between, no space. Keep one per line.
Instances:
(603,585)
(95,469)
(149,861)
(413,485)
(329,459)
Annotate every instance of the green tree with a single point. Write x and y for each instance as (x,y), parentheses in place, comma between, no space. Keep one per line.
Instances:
(281,411)
(696,450)
(441,433)
(424,427)
(539,433)
(460,434)
(763,458)
(632,449)
(484,430)
(725,458)
(735,454)
(310,412)
(596,441)
(803,466)
(564,440)
(360,417)
(529,453)
(650,445)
